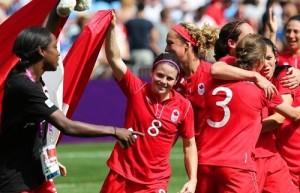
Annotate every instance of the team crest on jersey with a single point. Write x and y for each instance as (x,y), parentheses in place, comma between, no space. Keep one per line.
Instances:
(175,115)
(161,191)
(201,88)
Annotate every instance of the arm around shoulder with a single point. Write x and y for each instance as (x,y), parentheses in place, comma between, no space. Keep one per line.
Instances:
(224,71)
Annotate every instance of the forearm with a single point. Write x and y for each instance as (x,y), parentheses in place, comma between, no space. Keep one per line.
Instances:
(80,129)
(223,71)
(113,54)
(52,21)
(76,128)
(272,122)
(190,158)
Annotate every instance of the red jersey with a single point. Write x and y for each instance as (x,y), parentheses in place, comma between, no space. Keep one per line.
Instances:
(288,135)
(216,11)
(193,88)
(233,123)
(147,160)
(266,144)
(230,60)
(286,59)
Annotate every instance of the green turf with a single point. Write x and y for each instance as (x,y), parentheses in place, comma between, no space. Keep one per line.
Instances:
(86,165)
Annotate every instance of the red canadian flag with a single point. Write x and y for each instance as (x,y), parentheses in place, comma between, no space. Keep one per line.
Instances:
(81,58)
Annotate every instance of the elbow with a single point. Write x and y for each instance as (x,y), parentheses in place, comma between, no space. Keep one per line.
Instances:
(217,70)
(67,128)
(214,71)
(297,118)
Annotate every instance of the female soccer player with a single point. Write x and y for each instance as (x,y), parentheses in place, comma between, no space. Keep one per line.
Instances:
(191,44)
(162,114)
(228,142)
(291,56)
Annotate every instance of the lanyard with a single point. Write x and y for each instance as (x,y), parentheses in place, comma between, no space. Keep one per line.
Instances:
(29,75)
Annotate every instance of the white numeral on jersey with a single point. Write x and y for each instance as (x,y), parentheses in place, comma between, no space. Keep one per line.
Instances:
(222,104)
(153,129)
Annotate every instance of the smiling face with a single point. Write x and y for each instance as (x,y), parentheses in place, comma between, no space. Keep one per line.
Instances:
(164,77)
(292,35)
(175,45)
(269,63)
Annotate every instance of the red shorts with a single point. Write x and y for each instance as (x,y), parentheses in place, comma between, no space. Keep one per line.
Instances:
(273,175)
(115,183)
(215,179)
(45,187)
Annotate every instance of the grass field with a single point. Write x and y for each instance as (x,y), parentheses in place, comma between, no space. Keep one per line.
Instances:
(86,165)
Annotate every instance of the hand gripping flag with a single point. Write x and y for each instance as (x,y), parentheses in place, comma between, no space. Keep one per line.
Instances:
(81,58)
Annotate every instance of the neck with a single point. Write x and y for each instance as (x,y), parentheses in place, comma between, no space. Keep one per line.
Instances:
(33,73)
(295,53)
(191,67)
(163,97)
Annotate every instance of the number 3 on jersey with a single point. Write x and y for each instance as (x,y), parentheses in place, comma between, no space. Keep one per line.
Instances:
(222,104)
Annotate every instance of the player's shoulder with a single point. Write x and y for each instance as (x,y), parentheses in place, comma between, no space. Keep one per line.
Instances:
(18,81)
(180,98)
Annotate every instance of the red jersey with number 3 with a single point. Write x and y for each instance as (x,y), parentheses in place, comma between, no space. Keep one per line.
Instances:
(147,160)
(233,123)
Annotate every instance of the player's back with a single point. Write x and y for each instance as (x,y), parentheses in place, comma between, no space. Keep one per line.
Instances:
(233,124)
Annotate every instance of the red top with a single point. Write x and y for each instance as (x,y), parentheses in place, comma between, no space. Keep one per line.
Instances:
(288,136)
(286,59)
(266,144)
(228,60)
(193,88)
(233,123)
(216,11)
(147,161)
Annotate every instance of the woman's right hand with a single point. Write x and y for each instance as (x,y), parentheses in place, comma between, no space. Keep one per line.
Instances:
(266,85)
(113,20)
(127,137)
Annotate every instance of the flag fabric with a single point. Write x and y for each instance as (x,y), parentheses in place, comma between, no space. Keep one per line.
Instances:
(54,84)
(32,14)
(81,58)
